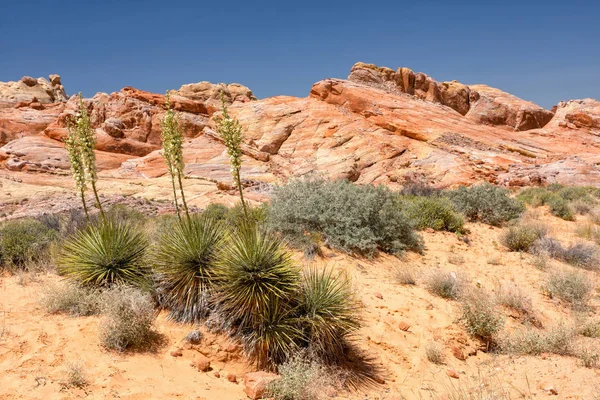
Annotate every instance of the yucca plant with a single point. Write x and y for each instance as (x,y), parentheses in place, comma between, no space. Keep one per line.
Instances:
(104,254)
(328,312)
(256,279)
(185,259)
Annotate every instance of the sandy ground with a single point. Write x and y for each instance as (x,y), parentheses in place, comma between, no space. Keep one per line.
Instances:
(36,348)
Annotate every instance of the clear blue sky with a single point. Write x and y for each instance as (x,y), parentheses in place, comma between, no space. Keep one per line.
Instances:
(544,51)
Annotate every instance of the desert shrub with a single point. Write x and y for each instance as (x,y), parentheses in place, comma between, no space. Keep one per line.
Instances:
(588,357)
(104,254)
(444,284)
(456,259)
(233,216)
(406,275)
(512,296)
(216,211)
(122,214)
(560,208)
(589,231)
(184,260)
(303,379)
(547,246)
(572,287)
(128,320)
(256,278)
(434,212)
(420,189)
(71,299)
(534,196)
(434,353)
(328,312)
(486,203)
(480,317)
(75,376)
(582,207)
(581,255)
(353,218)
(521,237)
(589,328)
(558,340)
(23,242)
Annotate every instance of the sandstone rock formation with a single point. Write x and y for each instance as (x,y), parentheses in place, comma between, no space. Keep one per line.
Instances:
(379,126)
(28,90)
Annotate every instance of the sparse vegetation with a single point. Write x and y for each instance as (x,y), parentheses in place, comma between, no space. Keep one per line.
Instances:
(434,353)
(444,284)
(521,237)
(558,340)
(303,379)
(563,201)
(104,254)
(486,203)
(353,218)
(511,296)
(75,376)
(571,287)
(71,299)
(479,315)
(128,319)
(406,275)
(589,328)
(24,242)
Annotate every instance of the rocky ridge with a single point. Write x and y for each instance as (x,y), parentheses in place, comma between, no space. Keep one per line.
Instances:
(378,126)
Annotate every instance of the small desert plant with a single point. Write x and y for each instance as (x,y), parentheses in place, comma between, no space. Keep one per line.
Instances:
(71,299)
(456,259)
(521,237)
(588,357)
(434,212)
(558,340)
(406,275)
(353,218)
(230,130)
(447,285)
(328,311)
(184,260)
(480,317)
(23,242)
(172,142)
(572,287)
(420,189)
(513,297)
(589,231)
(128,319)
(256,278)
(303,379)
(486,203)
(75,376)
(581,255)
(590,328)
(560,207)
(104,254)
(194,337)
(434,353)
(547,246)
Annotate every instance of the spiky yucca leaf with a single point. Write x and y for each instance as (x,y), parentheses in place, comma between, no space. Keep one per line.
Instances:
(328,311)
(254,271)
(274,337)
(104,254)
(185,259)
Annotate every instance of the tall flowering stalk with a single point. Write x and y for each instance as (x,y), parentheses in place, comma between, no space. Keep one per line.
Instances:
(230,130)
(172,139)
(80,145)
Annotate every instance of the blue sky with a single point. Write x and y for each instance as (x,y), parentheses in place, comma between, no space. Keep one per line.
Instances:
(544,51)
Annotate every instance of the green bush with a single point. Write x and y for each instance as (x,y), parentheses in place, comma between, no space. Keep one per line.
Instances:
(353,218)
(184,259)
(256,280)
(128,321)
(480,317)
(560,208)
(486,203)
(521,237)
(572,287)
(302,379)
(24,241)
(104,254)
(434,212)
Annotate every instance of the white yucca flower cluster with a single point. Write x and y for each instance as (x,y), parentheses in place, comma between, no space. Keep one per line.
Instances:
(230,130)
(172,141)
(80,145)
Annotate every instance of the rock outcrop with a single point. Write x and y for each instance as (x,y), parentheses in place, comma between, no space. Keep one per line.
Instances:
(479,103)
(380,126)
(30,90)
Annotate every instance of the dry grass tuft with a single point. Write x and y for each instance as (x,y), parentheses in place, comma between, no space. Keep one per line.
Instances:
(75,376)
(447,285)
(434,353)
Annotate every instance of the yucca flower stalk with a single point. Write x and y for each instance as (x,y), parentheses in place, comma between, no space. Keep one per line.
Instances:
(83,143)
(172,139)
(230,130)
(78,171)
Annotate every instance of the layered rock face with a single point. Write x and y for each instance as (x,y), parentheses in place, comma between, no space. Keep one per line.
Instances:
(379,126)
(479,103)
